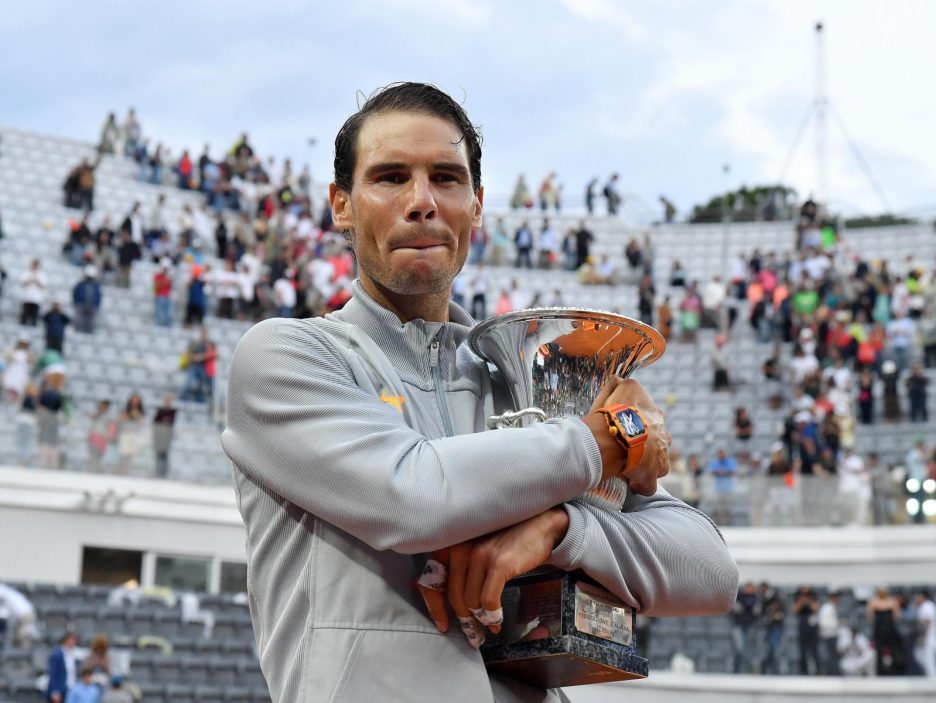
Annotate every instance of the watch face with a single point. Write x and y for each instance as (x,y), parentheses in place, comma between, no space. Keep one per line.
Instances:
(630,422)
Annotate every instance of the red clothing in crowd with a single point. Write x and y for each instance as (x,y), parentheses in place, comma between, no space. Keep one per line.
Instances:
(162,285)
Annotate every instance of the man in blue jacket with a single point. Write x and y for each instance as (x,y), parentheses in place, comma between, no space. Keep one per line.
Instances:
(62,669)
(86,297)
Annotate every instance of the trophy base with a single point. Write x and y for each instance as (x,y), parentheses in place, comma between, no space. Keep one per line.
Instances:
(562,629)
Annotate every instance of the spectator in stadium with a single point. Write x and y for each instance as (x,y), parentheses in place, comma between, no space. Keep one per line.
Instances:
(184,170)
(723,468)
(110,133)
(163,433)
(743,431)
(26,425)
(79,186)
(677,278)
(117,693)
(900,339)
(744,616)
(16,374)
(162,293)
(855,652)
(284,292)
(197,297)
(480,285)
(883,613)
(806,608)
(479,243)
(18,618)
(606,272)
(102,432)
(590,194)
(925,632)
(828,621)
(86,298)
(720,378)
(129,433)
(889,377)
(48,419)
(33,286)
(548,246)
(200,353)
(62,669)
(3,272)
(228,289)
(773,617)
(523,240)
(669,210)
(917,384)
(854,488)
(132,132)
(548,195)
(55,321)
(521,195)
(85,690)
(500,241)
(127,252)
(866,396)
(98,660)
(690,314)
(665,318)
(154,163)
(612,196)
(646,298)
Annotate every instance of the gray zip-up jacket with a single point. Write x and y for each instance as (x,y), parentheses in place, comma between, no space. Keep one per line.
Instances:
(355,453)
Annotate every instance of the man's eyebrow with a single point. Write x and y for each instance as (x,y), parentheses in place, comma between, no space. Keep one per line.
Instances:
(451,167)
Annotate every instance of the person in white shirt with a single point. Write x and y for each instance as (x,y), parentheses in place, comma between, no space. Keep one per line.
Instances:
(856,652)
(228,290)
(713,299)
(33,287)
(519,299)
(20,617)
(548,246)
(854,488)
(925,646)
(285,294)
(829,634)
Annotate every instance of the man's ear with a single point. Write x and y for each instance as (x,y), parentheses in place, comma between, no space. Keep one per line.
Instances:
(478,207)
(340,202)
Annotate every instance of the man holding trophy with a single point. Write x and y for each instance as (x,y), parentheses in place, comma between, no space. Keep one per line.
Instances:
(372,497)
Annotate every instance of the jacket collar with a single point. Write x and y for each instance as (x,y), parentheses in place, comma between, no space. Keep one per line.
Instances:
(407,344)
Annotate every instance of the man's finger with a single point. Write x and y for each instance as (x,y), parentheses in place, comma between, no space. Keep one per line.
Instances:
(435,606)
(458,571)
(492,613)
(477,573)
(602,398)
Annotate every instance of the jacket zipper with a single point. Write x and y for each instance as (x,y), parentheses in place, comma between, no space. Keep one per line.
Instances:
(437,384)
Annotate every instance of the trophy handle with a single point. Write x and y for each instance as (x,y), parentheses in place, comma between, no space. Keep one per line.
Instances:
(512,419)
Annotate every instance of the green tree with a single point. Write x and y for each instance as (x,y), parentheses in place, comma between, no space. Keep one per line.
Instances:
(767,202)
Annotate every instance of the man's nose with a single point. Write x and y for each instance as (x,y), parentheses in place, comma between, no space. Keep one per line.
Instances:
(422,204)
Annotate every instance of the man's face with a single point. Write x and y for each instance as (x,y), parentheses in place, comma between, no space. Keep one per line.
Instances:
(412,207)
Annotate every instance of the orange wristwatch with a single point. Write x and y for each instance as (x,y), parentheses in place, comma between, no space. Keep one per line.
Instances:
(627,426)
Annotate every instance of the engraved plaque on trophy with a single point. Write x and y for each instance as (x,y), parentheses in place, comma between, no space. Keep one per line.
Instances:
(563,629)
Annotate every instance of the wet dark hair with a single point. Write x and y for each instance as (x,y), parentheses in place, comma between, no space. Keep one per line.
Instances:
(420,98)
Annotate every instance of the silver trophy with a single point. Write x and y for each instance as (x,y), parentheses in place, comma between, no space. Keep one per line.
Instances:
(563,629)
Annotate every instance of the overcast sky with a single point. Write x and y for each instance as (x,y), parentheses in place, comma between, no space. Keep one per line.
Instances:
(666,93)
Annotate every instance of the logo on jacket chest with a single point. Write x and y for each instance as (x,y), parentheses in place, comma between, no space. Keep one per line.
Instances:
(395,401)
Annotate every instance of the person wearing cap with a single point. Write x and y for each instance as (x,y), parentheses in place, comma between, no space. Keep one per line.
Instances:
(86,297)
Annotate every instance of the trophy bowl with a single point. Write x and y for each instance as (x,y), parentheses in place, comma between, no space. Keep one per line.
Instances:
(563,629)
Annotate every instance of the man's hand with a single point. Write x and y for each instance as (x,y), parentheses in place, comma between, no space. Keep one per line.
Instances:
(479,569)
(655,462)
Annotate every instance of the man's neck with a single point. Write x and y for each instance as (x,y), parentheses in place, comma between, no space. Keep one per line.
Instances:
(431,307)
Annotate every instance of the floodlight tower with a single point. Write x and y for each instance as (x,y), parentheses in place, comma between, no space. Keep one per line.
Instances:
(821,106)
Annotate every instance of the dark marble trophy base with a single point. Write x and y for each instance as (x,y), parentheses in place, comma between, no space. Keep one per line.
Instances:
(562,629)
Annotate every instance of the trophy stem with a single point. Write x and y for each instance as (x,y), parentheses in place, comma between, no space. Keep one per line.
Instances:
(512,419)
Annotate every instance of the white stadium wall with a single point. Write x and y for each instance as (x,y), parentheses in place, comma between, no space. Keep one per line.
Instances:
(47,517)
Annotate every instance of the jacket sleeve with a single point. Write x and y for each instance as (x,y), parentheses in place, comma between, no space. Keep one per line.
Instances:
(57,674)
(660,555)
(300,425)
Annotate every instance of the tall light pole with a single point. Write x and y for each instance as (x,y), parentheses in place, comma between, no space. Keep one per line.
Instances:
(821,105)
